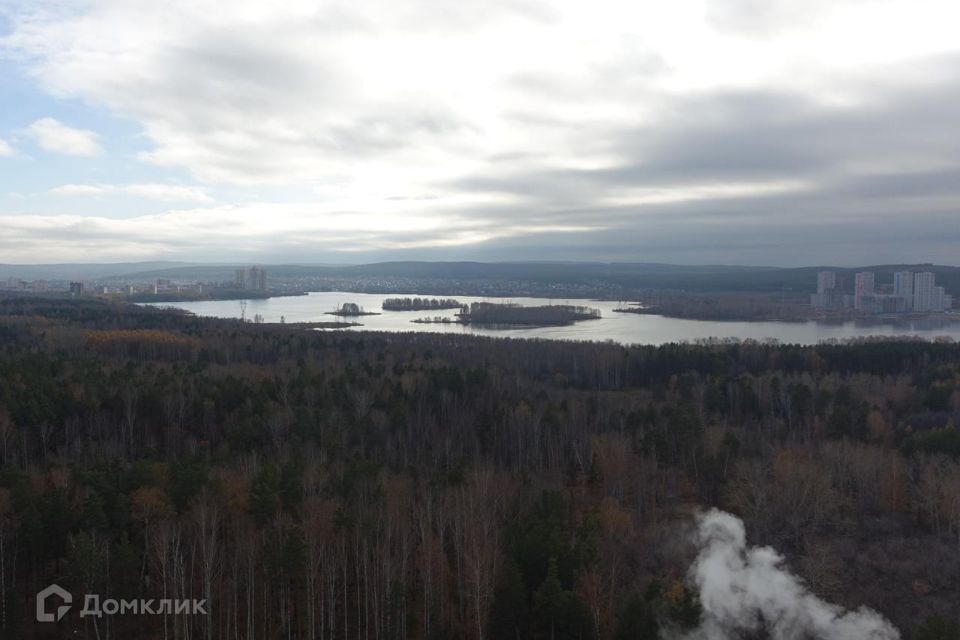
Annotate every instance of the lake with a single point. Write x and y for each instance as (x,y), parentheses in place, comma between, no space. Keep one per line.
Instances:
(626,328)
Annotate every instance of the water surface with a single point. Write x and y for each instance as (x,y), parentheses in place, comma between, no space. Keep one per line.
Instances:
(626,328)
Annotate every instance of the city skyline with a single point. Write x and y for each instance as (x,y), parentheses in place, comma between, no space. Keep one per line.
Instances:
(911,291)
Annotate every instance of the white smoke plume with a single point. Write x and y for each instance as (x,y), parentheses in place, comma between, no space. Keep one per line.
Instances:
(747,590)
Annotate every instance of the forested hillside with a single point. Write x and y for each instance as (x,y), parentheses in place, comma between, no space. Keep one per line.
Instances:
(325,485)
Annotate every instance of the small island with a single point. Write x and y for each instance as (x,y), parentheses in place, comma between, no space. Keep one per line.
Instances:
(325,325)
(351,309)
(420,304)
(721,306)
(515,315)
(439,320)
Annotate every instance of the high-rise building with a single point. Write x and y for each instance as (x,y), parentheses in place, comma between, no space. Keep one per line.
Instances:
(826,295)
(253,278)
(903,287)
(826,280)
(923,284)
(863,289)
(76,288)
(257,279)
(936,301)
(886,303)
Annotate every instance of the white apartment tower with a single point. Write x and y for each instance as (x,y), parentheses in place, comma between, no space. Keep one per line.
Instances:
(252,278)
(923,284)
(864,288)
(903,283)
(936,303)
(903,287)
(826,280)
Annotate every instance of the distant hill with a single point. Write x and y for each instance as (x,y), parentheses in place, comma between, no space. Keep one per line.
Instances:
(628,275)
(69,271)
(619,274)
(202,272)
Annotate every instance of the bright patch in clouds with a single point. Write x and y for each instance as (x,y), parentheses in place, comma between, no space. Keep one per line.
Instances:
(667,131)
(252,229)
(5,149)
(56,137)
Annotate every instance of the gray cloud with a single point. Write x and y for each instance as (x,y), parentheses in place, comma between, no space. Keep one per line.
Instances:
(766,18)
(763,135)
(875,179)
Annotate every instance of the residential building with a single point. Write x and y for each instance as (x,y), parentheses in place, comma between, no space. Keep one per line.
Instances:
(258,279)
(887,303)
(826,281)
(923,284)
(864,287)
(162,285)
(253,278)
(936,302)
(903,286)
(826,295)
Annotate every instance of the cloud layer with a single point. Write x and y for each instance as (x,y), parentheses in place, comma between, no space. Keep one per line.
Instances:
(153,191)
(56,137)
(707,131)
(256,229)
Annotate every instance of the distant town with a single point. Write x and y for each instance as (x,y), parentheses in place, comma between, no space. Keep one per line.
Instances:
(910,292)
(883,292)
(246,281)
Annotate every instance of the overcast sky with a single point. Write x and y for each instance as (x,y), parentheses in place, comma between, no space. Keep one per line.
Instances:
(781,132)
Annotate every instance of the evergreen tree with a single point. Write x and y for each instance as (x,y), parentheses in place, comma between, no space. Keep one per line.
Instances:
(508,613)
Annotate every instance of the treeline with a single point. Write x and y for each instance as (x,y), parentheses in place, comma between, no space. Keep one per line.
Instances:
(419,304)
(318,485)
(749,306)
(490,313)
(210,293)
(349,309)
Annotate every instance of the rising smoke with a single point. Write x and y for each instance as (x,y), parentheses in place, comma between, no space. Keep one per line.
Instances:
(747,591)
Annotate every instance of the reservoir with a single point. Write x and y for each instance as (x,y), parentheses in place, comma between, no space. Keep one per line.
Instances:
(625,328)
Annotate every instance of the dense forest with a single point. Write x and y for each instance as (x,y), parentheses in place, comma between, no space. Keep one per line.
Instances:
(370,485)
(420,304)
(725,306)
(490,313)
(351,309)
